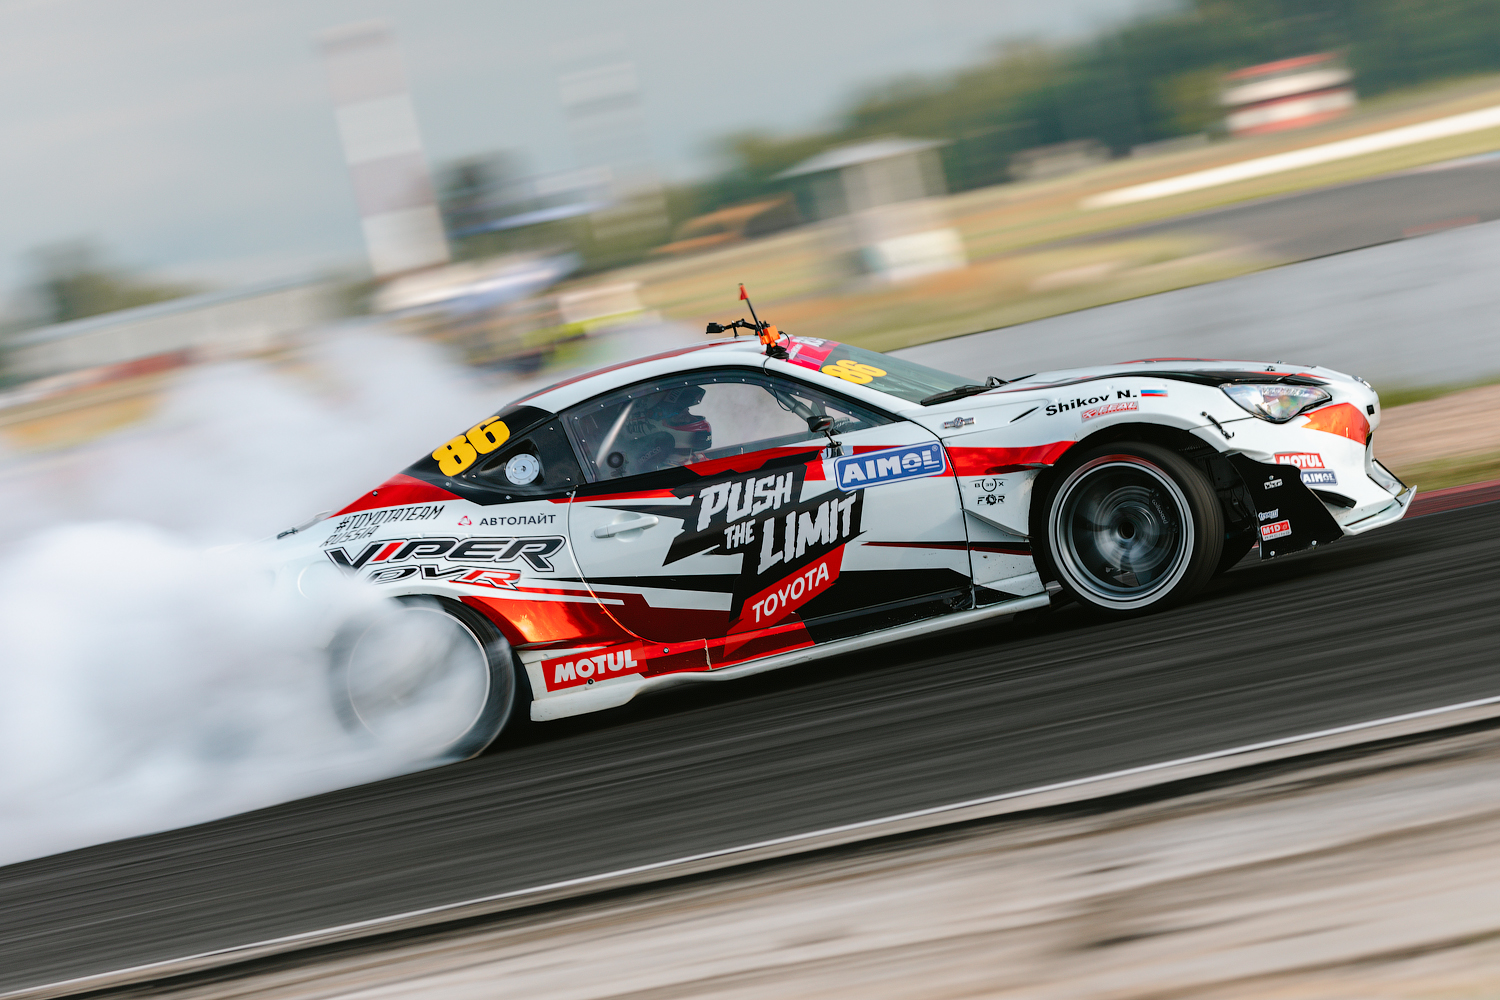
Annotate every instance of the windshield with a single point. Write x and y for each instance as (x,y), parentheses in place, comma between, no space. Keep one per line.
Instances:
(903,379)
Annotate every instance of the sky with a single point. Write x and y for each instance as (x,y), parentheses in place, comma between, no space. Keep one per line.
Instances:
(196,140)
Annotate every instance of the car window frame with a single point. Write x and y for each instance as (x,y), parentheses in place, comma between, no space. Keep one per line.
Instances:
(511,492)
(754,375)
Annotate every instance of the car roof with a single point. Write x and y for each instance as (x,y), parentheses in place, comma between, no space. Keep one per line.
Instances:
(743,352)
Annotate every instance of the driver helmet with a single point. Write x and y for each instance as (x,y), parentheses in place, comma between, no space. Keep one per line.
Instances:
(677,433)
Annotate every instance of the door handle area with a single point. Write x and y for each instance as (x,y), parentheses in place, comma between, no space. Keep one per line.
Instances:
(636,524)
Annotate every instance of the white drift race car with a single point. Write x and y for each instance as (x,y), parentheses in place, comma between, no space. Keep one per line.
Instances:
(758,503)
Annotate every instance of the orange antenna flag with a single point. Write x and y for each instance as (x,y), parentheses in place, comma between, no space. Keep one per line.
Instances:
(743,296)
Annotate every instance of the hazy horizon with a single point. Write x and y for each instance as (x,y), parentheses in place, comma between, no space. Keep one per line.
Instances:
(198,142)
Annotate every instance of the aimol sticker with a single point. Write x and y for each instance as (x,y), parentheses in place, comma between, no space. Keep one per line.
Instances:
(874,468)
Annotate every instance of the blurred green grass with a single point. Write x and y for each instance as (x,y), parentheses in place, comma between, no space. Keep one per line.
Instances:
(1429,476)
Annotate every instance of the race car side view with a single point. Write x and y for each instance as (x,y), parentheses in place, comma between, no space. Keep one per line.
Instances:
(755,503)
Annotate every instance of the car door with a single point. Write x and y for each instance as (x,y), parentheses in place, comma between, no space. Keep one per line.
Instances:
(717,513)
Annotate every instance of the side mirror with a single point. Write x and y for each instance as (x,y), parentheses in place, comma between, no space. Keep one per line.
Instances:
(820,423)
(714,328)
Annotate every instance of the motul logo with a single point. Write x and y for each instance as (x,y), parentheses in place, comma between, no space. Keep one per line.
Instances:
(588,669)
(1300,459)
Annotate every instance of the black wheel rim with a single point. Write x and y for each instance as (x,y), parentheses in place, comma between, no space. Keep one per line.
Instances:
(1122,531)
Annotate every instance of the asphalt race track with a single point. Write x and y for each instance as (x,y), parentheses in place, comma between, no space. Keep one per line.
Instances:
(1347,216)
(1409,313)
(1396,621)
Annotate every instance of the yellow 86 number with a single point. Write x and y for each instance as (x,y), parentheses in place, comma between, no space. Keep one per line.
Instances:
(487,435)
(481,439)
(852,371)
(455,456)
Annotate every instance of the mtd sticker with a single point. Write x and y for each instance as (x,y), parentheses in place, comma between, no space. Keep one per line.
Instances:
(912,461)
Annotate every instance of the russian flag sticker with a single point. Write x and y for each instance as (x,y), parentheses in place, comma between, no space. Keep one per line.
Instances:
(1153,392)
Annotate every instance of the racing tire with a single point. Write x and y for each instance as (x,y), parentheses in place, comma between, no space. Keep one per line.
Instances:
(425,676)
(1236,547)
(1128,528)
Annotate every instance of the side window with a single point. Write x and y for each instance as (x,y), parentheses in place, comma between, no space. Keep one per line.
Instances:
(688,419)
(539,463)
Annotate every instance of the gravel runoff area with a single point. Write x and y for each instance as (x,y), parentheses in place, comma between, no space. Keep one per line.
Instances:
(1353,874)
(1454,428)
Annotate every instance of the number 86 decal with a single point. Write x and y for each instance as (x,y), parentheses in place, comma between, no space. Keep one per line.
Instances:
(852,371)
(481,439)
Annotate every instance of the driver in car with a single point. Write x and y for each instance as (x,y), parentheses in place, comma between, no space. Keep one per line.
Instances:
(662,432)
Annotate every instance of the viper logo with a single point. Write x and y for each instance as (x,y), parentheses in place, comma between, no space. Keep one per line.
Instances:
(535,551)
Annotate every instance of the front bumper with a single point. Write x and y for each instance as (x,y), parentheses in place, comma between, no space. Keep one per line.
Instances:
(1401,496)
(1357,491)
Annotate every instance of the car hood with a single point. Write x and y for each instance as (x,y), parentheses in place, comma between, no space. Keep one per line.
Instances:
(1203,371)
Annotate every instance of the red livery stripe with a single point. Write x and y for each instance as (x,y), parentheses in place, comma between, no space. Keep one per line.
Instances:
(398,491)
(1013,548)
(989,461)
(754,461)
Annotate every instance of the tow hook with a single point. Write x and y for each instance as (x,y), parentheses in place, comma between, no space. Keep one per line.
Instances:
(1227,434)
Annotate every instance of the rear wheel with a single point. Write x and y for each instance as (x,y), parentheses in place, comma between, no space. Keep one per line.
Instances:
(426,677)
(1130,527)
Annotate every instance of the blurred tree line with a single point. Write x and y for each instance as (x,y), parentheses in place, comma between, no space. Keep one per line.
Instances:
(1155,77)
(1151,78)
(75,280)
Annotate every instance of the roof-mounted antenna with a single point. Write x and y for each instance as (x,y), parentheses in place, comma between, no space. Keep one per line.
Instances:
(768,334)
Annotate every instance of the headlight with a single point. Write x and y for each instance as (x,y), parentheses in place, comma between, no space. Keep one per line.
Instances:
(1275,402)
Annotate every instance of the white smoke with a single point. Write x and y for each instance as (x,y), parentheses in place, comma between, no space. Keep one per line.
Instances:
(150,684)
(243,449)
(148,681)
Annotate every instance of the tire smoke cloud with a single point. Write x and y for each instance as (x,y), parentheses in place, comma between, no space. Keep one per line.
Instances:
(152,675)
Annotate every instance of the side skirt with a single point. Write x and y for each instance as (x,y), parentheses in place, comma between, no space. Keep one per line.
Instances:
(622,690)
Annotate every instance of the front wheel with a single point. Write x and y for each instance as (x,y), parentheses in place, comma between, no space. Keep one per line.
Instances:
(1130,528)
(427,678)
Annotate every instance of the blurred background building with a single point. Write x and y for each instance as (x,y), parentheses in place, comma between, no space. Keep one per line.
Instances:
(515,257)
(383,147)
(884,193)
(1288,93)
